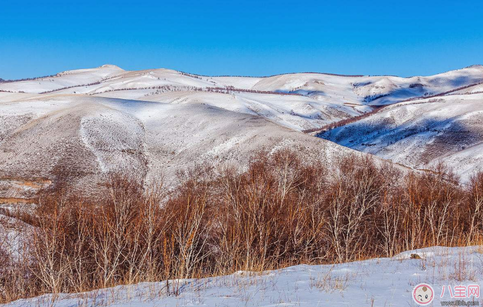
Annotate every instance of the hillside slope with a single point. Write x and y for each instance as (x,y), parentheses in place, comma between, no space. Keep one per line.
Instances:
(422,133)
(83,138)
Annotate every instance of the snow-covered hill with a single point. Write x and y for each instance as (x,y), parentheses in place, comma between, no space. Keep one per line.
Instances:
(84,137)
(87,122)
(375,282)
(300,101)
(422,133)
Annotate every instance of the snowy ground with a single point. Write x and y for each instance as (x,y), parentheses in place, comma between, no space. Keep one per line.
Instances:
(375,282)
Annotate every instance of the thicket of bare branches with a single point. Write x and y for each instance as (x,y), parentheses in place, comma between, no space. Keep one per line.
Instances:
(281,211)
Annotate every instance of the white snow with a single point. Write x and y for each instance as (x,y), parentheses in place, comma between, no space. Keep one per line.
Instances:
(374,282)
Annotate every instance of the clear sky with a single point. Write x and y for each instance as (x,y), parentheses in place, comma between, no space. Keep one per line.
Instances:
(215,37)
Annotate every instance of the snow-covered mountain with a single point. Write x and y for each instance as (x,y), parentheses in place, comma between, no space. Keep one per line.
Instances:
(87,122)
(299,101)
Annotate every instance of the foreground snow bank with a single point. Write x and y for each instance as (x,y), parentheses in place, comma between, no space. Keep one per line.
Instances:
(375,282)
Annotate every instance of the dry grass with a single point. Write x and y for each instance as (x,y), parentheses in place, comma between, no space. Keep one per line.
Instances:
(328,282)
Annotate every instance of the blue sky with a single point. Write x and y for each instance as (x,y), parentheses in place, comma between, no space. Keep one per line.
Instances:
(248,37)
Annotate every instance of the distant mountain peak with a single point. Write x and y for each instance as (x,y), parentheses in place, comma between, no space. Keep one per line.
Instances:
(110,66)
(475,66)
